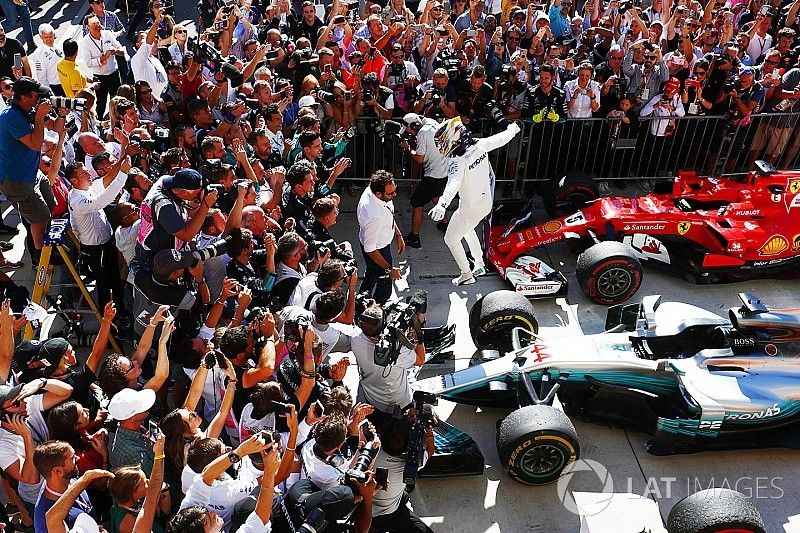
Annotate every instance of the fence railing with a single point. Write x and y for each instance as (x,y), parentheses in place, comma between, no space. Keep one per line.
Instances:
(608,149)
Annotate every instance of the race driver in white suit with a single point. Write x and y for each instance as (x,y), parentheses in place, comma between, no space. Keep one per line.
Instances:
(471,177)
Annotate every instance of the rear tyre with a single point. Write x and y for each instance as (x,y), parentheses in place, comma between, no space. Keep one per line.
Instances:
(493,317)
(715,511)
(569,194)
(609,273)
(536,443)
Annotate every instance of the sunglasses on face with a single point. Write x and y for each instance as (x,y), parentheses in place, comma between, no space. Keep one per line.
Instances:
(512,38)
(179,31)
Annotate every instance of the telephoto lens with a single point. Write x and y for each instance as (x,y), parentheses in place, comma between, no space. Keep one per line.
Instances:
(315,522)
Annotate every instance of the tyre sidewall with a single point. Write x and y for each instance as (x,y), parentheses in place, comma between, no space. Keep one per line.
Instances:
(513,463)
(488,332)
(623,262)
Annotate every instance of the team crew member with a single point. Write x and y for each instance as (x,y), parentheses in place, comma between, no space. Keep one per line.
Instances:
(472,178)
(96,50)
(434,171)
(377,229)
(44,60)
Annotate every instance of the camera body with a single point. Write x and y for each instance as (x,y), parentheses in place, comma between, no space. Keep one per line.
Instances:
(732,84)
(423,404)
(293,328)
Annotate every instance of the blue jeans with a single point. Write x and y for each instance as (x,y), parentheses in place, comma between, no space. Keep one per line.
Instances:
(17,16)
(377,283)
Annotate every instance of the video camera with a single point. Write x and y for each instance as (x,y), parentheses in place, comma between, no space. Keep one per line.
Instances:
(423,404)
(205,53)
(397,132)
(401,323)
(449,61)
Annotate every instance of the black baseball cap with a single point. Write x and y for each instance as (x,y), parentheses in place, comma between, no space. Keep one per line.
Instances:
(26,85)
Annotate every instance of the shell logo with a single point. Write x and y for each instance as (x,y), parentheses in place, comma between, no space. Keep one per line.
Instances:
(775,245)
(552,226)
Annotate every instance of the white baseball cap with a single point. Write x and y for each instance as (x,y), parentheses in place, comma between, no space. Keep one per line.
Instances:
(307,101)
(85,524)
(128,403)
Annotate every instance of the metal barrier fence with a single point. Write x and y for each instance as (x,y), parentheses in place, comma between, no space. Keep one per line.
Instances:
(607,149)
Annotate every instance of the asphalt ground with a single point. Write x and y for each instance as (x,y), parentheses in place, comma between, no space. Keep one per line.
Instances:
(645,485)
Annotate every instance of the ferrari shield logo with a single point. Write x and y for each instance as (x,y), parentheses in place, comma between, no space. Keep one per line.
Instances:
(796,243)
(793,186)
(684,227)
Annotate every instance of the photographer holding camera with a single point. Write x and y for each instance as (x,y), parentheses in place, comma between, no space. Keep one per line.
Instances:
(376,99)
(433,95)
(401,77)
(165,220)
(332,275)
(385,388)
(330,486)
(252,268)
(473,95)
(21,138)
(326,212)
(390,510)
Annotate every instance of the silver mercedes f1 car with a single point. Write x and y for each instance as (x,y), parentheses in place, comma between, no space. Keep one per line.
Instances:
(693,379)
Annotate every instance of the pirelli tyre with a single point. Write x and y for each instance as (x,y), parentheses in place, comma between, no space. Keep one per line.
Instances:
(536,443)
(569,194)
(493,317)
(609,273)
(715,511)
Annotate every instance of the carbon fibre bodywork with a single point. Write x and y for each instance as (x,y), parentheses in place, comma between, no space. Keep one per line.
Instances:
(693,379)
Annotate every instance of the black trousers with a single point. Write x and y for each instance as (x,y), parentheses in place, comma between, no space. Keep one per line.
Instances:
(400,521)
(102,264)
(108,88)
(377,282)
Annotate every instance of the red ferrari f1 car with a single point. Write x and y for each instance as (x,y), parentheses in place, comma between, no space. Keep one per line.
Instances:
(703,229)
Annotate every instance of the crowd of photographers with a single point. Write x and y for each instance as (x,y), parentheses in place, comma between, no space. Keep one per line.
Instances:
(201,176)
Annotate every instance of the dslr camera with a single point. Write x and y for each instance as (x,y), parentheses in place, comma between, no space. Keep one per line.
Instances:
(732,84)
(423,404)
(293,328)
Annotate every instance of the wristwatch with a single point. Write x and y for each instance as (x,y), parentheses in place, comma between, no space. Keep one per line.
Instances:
(233,458)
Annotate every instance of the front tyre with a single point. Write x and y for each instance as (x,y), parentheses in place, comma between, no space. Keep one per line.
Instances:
(715,511)
(609,273)
(536,443)
(494,316)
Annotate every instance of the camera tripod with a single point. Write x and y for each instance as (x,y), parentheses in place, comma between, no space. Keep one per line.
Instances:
(55,238)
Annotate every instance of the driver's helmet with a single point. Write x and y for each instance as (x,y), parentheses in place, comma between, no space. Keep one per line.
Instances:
(451,137)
